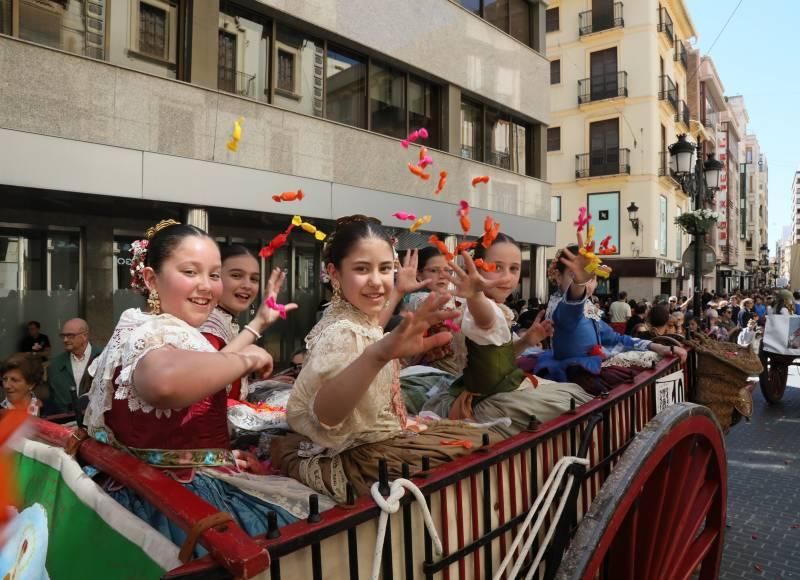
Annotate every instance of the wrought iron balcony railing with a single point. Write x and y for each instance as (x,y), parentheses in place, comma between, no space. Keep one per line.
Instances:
(590,21)
(605,86)
(667,91)
(603,162)
(682,114)
(665,24)
(681,54)
(233,81)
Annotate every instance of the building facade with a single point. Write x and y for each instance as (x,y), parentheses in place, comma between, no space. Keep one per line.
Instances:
(117,114)
(618,79)
(795,226)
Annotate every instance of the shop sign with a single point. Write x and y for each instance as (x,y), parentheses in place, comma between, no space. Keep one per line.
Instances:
(667,270)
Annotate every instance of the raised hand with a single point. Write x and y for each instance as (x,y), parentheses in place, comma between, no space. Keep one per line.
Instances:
(267,315)
(468,280)
(406,282)
(409,339)
(539,330)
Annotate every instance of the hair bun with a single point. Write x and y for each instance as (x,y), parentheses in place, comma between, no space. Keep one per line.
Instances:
(163,224)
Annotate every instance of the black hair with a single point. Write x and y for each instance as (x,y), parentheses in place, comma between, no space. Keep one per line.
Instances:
(561,266)
(234,251)
(34,323)
(640,309)
(659,315)
(480,251)
(623,295)
(164,242)
(425,254)
(31,370)
(349,231)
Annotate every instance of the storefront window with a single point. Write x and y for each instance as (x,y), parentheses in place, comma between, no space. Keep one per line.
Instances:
(387,107)
(39,280)
(346,87)
(299,75)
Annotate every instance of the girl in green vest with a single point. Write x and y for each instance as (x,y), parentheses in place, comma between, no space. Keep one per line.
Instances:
(492,387)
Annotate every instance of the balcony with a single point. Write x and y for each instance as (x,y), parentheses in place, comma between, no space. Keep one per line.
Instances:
(600,87)
(590,24)
(238,83)
(603,162)
(682,114)
(710,121)
(664,165)
(665,25)
(667,91)
(681,54)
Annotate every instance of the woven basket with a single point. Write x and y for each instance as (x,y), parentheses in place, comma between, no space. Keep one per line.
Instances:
(722,372)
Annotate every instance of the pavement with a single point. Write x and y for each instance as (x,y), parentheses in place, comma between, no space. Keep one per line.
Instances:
(763,535)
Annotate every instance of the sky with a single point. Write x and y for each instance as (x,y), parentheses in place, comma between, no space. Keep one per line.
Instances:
(757,57)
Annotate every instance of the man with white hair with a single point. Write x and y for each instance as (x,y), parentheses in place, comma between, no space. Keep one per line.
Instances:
(67,378)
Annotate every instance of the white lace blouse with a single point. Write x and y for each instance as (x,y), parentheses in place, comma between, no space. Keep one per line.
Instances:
(336,341)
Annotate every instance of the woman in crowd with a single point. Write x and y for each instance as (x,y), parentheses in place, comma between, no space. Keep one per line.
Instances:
(346,406)
(21,376)
(492,385)
(241,277)
(158,389)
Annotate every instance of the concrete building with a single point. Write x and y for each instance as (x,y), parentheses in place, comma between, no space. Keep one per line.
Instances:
(115,115)
(618,96)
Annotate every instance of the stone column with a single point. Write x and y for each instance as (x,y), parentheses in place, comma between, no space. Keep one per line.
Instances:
(540,273)
(197,217)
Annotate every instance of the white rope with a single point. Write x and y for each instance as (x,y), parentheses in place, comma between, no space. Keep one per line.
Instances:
(390,505)
(545,501)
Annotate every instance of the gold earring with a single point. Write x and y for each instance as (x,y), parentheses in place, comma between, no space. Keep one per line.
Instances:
(154,302)
(337,289)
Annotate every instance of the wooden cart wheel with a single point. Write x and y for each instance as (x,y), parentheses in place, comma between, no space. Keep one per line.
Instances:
(661,513)
(773,379)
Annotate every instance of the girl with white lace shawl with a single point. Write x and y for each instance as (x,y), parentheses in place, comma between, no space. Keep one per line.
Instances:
(158,387)
(346,405)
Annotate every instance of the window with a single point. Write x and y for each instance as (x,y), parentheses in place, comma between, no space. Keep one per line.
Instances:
(299,76)
(472,6)
(424,108)
(76,26)
(471,130)
(749,154)
(555,72)
(242,69)
(551,20)
(662,238)
(496,12)
(554,138)
(5,16)
(226,67)
(345,87)
(555,208)
(154,28)
(387,107)
(513,17)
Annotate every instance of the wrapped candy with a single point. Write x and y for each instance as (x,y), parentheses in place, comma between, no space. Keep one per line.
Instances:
(236,135)
(307,227)
(426,219)
(289,196)
(440,245)
(275,243)
(490,230)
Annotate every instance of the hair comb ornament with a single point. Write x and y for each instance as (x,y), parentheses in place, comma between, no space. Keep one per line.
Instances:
(162,225)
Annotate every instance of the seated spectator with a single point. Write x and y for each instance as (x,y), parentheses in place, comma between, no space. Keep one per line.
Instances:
(67,376)
(639,315)
(21,375)
(35,342)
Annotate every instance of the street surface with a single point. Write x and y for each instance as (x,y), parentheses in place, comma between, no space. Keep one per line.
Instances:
(763,535)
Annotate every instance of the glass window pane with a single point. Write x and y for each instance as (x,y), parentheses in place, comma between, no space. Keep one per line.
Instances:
(69,26)
(346,88)
(424,109)
(471,131)
(472,6)
(551,20)
(554,139)
(498,136)
(519,148)
(152,30)
(5,16)
(243,49)
(299,72)
(520,19)
(555,72)
(387,108)
(496,12)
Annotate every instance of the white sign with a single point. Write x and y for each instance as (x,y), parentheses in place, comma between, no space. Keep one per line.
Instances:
(670,390)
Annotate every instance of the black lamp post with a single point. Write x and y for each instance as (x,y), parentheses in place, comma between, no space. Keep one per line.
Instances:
(764,262)
(633,216)
(695,178)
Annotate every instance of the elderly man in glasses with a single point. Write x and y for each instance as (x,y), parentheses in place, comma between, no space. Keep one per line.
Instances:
(67,378)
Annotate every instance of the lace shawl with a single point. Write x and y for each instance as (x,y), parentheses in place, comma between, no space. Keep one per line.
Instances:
(137,333)
(336,341)
(222,325)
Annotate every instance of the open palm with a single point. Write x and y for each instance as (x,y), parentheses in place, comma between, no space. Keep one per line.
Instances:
(468,280)
(269,315)
(409,339)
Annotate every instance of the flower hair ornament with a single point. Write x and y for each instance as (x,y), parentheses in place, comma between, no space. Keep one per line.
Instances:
(139,253)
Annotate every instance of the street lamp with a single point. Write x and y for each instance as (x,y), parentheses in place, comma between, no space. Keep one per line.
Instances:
(695,178)
(764,262)
(633,216)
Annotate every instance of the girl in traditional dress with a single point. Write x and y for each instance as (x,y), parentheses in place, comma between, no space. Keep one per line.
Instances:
(492,385)
(346,405)
(241,277)
(158,389)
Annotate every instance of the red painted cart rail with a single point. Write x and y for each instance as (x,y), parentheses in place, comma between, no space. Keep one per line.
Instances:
(477,501)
